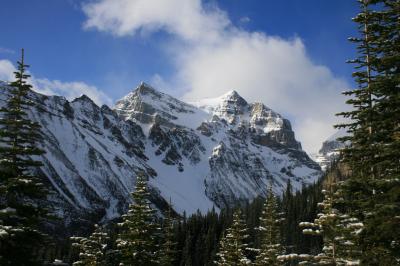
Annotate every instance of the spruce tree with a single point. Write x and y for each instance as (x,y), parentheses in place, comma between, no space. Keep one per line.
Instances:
(373,190)
(20,190)
(361,128)
(269,233)
(232,244)
(92,250)
(339,231)
(167,251)
(138,238)
(289,212)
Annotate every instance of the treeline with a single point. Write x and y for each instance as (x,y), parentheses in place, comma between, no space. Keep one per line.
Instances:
(351,218)
(199,239)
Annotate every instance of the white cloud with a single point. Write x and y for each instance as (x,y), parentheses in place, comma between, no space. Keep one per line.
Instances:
(212,56)
(186,18)
(158,82)
(70,90)
(6,70)
(274,71)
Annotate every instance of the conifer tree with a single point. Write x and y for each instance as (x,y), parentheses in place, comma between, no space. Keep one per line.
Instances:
(362,117)
(269,232)
(232,244)
(92,250)
(138,238)
(167,251)
(373,191)
(339,231)
(20,189)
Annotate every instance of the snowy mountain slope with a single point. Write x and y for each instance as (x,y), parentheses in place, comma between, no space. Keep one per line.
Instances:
(92,156)
(330,149)
(197,157)
(230,149)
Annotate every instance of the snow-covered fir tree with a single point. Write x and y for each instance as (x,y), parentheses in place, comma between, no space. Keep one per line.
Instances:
(232,245)
(167,250)
(269,233)
(20,239)
(339,231)
(92,249)
(137,241)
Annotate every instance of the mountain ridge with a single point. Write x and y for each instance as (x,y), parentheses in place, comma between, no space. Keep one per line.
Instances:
(195,157)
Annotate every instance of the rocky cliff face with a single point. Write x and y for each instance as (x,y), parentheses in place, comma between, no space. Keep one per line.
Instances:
(230,149)
(330,149)
(212,153)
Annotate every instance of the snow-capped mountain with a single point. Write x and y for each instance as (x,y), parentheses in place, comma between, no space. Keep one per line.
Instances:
(330,149)
(212,153)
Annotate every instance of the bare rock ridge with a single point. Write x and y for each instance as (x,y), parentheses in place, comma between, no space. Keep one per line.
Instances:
(213,153)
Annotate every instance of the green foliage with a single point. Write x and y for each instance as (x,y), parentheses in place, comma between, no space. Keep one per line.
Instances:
(298,207)
(270,233)
(92,250)
(373,191)
(340,232)
(138,238)
(195,240)
(232,245)
(20,240)
(167,251)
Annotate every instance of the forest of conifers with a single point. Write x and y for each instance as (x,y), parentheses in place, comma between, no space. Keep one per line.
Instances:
(350,217)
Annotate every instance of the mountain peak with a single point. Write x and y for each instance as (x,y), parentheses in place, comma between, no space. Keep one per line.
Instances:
(84,98)
(234,97)
(231,93)
(145,88)
(140,91)
(230,105)
(147,105)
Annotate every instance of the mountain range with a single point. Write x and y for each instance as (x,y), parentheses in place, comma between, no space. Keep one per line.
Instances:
(207,154)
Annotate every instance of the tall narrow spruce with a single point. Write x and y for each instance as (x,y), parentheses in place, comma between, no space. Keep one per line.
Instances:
(20,214)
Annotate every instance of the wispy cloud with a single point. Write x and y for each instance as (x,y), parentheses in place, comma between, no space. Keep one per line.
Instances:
(6,70)
(6,51)
(70,90)
(244,20)
(212,56)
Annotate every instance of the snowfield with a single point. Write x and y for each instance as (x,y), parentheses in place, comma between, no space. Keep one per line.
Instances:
(202,155)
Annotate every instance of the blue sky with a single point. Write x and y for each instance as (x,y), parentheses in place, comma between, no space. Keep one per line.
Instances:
(82,43)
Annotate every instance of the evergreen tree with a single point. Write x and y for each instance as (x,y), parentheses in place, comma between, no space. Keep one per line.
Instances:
(92,250)
(270,233)
(386,87)
(138,239)
(373,191)
(210,239)
(20,189)
(187,252)
(167,251)
(339,231)
(290,222)
(362,117)
(232,245)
